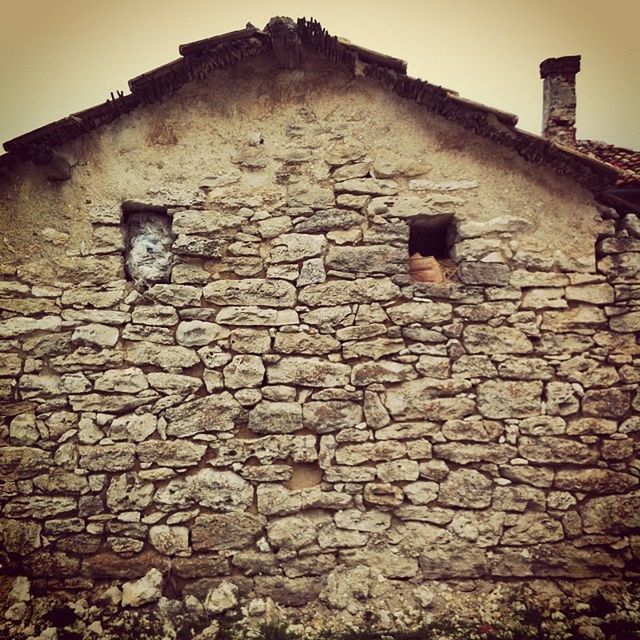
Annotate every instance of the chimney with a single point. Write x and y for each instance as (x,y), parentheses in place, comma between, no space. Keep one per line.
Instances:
(559,99)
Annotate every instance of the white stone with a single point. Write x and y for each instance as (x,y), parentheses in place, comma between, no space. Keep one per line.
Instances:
(143,591)
(18,326)
(312,272)
(165,357)
(100,335)
(427,398)
(196,333)
(23,429)
(133,427)
(169,541)
(221,598)
(370,521)
(155,315)
(499,224)
(507,399)
(422,184)
(131,380)
(310,372)
(255,316)
(176,295)
(371,186)
(381,371)
(20,590)
(486,339)
(208,222)
(216,412)
(251,291)
(465,488)
(398,471)
(174,383)
(421,492)
(422,312)
(221,491)
(244,371)
(292,247)
(275,417)
(361,290)
(274,227)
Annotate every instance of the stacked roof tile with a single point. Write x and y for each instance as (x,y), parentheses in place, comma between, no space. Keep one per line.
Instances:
(626,161)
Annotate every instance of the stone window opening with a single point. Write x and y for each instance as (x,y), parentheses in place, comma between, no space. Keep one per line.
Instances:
(148,242)
(430,242)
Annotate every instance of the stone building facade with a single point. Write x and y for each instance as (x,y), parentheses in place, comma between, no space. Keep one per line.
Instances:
(278,406)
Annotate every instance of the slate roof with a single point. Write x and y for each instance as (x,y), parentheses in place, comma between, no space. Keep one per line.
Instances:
(308,38)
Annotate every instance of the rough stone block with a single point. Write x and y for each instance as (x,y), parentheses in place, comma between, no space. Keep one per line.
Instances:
(251,291)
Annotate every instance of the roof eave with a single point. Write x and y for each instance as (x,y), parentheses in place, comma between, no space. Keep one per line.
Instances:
(199,58)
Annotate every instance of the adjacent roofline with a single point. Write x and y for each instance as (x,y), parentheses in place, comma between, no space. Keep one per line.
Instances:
(199,58)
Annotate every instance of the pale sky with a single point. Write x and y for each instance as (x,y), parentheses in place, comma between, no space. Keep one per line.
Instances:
(61,56)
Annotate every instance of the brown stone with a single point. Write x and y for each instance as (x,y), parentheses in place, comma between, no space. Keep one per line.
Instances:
(216,412)
(566,561)
(606,403)
(253,563)
(506,399)
(292,592)
(51,564)
(453,561)
(594,480)
(82,543)
(171,453)
(611,514)
(533,528)
(466,488)
(114,457)
(549,449)
(309,372)
(466,453)
(19,537)
(275,417)
(110,565)
(23,462)
(225,531)
(383,494)
(332,415)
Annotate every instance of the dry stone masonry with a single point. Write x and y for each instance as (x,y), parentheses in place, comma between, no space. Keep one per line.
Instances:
(288,416)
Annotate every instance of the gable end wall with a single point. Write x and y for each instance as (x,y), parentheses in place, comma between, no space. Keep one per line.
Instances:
(291,412)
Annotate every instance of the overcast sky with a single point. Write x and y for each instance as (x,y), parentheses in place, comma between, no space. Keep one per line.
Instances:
(61,56)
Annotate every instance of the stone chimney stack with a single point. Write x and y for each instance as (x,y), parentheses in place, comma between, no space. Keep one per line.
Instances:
(559,99)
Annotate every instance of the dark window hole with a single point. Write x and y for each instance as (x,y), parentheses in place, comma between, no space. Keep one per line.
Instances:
(432,235)
(430,242)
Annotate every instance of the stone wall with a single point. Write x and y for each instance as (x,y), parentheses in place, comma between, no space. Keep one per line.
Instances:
(290,412)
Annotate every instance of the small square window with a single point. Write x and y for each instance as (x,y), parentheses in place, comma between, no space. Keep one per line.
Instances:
(430,242)
(148,241)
